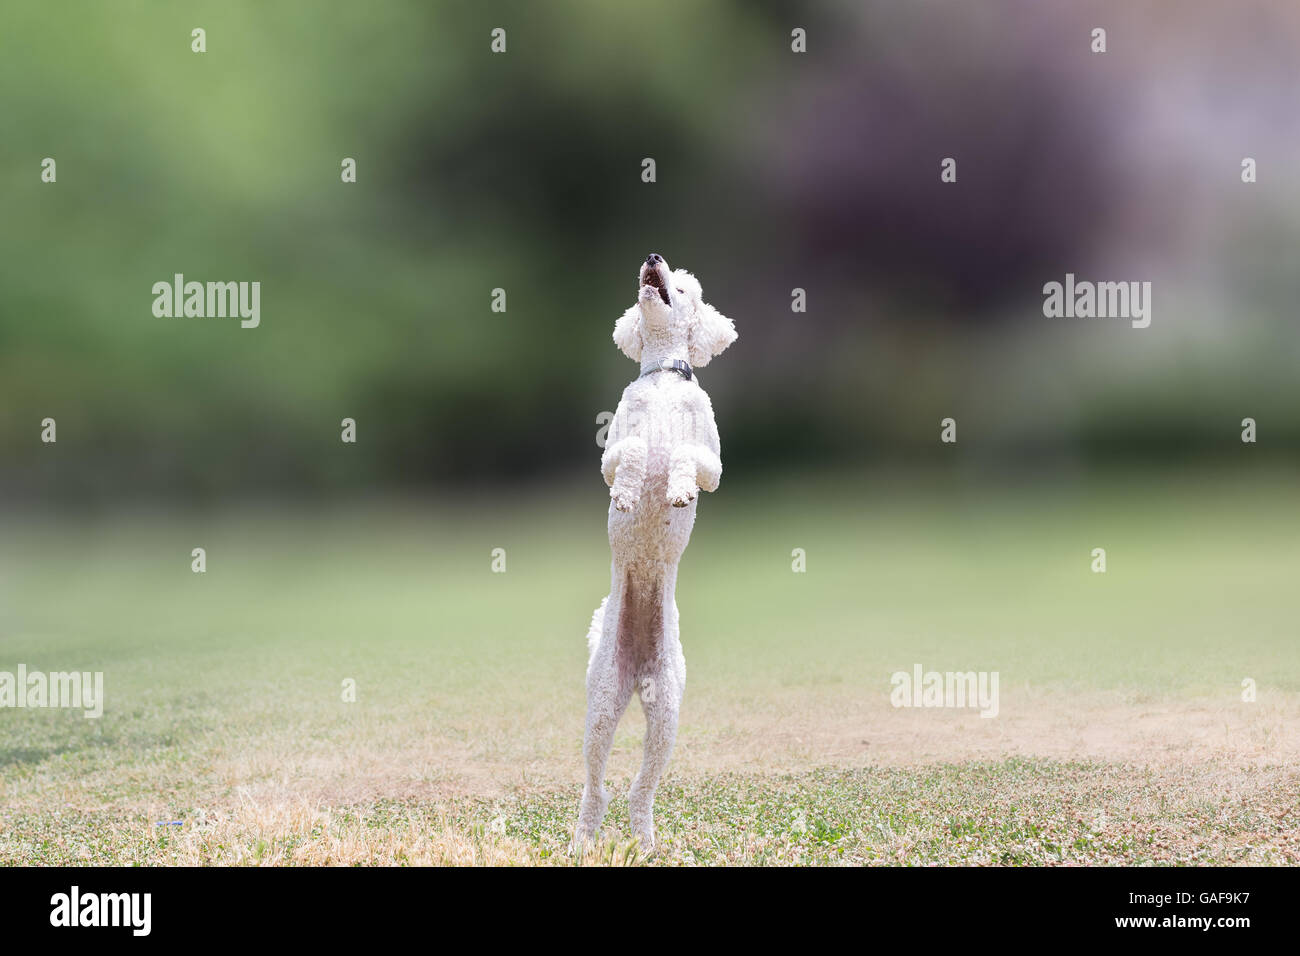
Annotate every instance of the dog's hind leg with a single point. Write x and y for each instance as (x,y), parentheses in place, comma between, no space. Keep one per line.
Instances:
(661,699)
(607,697)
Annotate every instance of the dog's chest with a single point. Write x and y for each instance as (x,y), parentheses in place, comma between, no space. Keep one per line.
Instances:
(662,409)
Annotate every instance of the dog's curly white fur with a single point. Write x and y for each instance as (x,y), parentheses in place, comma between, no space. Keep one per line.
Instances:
(662,448)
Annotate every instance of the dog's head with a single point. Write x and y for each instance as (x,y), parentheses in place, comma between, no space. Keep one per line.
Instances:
(671,309)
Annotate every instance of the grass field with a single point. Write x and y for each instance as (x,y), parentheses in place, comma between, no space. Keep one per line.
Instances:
(1121,736)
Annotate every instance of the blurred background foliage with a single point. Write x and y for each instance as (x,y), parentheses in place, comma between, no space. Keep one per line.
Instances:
(522,171)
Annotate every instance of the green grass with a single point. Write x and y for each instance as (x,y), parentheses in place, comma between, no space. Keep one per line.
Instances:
(224,689)
(1014,812)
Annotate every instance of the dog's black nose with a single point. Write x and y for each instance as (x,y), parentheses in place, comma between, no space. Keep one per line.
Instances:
(653,259)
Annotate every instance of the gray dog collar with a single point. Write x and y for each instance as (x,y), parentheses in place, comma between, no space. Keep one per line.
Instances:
(670,365)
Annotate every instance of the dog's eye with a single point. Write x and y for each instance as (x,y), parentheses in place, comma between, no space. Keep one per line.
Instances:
(679,290)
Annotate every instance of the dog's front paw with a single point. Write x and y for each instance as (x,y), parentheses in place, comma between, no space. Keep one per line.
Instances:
(627,487)
(681,496)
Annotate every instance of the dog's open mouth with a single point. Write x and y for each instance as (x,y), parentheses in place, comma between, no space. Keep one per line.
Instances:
(651,277)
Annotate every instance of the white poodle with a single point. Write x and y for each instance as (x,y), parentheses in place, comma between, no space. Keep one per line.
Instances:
(662,448)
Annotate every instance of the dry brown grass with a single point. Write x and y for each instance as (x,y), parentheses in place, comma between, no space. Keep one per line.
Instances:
(1096,778)
(790,732)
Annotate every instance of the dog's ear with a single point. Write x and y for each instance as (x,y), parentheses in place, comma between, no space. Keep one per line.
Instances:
(711,332)
(627,333)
